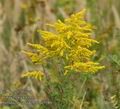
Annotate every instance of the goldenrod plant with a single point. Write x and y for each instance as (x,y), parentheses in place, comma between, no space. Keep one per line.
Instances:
(71,42)
(56,77)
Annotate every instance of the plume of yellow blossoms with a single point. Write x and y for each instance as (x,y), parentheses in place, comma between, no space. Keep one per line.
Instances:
(71,42)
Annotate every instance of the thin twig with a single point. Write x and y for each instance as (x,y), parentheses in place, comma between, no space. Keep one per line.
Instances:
(82,100)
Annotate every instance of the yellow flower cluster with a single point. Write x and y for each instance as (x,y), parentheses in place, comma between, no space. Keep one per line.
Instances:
(35,74)
(71,42)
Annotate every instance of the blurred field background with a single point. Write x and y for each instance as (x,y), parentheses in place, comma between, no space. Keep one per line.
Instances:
(19,21)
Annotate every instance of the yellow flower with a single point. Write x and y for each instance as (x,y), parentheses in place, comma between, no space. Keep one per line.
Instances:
(33,56)
(24,6)
(71,42)
(86,67)
(35,74)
